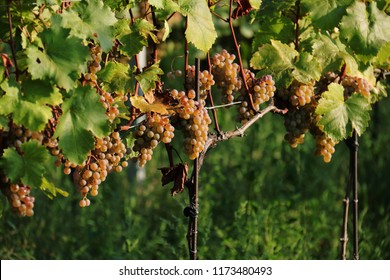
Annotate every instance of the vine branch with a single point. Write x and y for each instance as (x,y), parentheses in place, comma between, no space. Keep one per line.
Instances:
(213,139)
(297,28)
(237,46)
(11,39)
(210,97)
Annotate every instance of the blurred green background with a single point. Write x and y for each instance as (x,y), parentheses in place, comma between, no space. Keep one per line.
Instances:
(259,199)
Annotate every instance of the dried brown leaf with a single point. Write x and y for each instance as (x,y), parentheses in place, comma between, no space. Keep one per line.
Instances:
(176,174)
(243,8)
(149,96)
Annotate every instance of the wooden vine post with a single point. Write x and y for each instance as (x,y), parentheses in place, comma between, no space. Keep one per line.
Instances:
(192,210)
(353,145)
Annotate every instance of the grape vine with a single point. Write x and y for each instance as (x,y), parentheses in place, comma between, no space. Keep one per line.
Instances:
(72,86)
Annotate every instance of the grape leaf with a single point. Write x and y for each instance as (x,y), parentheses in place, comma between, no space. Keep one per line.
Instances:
(255,3)
(177,174)
(140,103)
(327,53)
(326,14)
(275,56)
(276,59)
(91,19)
(383,57)
(3,122)
(133,40)
(200,30)
(83,117)
(272,27)
(117,77)
(59,57)
(130,141)
(148,78)
(132,43)
(307,68)
(167,31)
(51,190)
(169,6)
(32,114)
(29,167)
(339,117)
(41,92)
(365,29)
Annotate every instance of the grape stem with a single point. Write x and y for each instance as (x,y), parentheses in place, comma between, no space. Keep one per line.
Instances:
(136,60)
(297,28)
(11,39)
(210,97)
(223,105)
(155,23)
(252,106)
(213,139)
(186,52)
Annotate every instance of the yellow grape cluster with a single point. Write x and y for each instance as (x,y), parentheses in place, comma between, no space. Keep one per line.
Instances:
(195,131)
(194,120)
(301,94)
(261,90)
(226,75)
(206,81)
(107,156)
(356,84)
(150,133)
(325,147)
(94,66)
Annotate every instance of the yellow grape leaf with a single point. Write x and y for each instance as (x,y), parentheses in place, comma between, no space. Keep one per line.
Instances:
(140,103)
(149,96)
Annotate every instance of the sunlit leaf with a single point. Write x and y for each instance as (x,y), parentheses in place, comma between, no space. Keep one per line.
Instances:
(140,103)
(339,117)
(83,117)
(117,77)
(51,190)
(326,14)
(148,78)
(51,60)
(365,28)
(91,19)
(200,30)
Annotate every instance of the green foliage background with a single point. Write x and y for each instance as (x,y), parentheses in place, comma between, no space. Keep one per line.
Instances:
(259,199)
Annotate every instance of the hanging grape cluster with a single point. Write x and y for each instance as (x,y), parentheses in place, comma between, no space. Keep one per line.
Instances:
(206,81)
(260,91)
(226,75)
(107,156)
(356,84)
(20,199)
(94,66)
(150,133)
(193,119)
(297,122)
(325,145)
